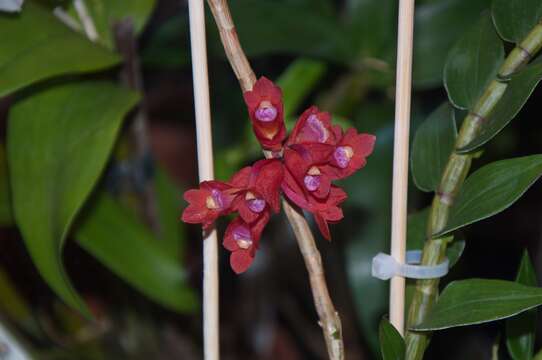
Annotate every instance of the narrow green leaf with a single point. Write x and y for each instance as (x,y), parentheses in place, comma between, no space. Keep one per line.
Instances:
(433,143)
(71,129)
(118,240)
(514,19)
(438,25)
(392,344)
(518,92)
(49,49)
(472,63)
(476,301)
(520,330)
(492,189)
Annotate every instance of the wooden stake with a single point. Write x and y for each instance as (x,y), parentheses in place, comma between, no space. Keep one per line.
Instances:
(205,166)
(400,158)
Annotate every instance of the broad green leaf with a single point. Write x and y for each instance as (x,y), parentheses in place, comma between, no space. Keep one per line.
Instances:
(49,49)
(433,143)
(492,189)
(6,217)
(168,199)
(115,237)
(514,19)
(472,63)
(476,301)
(518,92)
(417,235)
(438,24)
(520,330)
(106,13)
(538,355)
(58,143)
(392,345)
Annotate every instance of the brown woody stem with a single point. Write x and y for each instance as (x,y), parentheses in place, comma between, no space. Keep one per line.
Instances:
(452,179)
(329,318)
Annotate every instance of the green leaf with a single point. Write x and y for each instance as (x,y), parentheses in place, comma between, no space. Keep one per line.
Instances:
(433,143)
(519,90)
(115,237)
(438,24)
(515,19)
(472,63)
(58,143)
(392,344)
(6,216)
(492,189)
(520,330)
(49,50)
(476,301)
(417,235)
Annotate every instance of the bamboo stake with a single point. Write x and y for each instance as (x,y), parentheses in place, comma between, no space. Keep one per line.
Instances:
(205,166)
(400,158)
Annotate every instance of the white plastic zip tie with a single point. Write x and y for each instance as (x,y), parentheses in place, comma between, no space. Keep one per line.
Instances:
(385,267)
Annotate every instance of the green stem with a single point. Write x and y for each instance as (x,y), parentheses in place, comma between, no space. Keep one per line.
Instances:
(453,177)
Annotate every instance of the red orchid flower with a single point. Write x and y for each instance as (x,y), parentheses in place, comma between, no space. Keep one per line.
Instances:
(314,126)
(308,185)
(206,204)
(306,165)
(350,154)
(258,189)
(266,112)
(243,239)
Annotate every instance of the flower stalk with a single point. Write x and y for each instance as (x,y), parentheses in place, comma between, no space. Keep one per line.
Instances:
(454,175)
(329,317)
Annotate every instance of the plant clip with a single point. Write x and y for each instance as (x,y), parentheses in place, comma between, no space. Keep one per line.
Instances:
(385,267)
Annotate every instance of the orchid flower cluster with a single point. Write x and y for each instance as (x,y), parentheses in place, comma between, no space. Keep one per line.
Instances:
(302,167)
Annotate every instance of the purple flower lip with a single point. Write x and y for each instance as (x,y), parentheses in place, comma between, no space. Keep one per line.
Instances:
(266,112)
(342,156)
(215,200)
(242,237)
(312,182)
(318,128)
(256,205)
